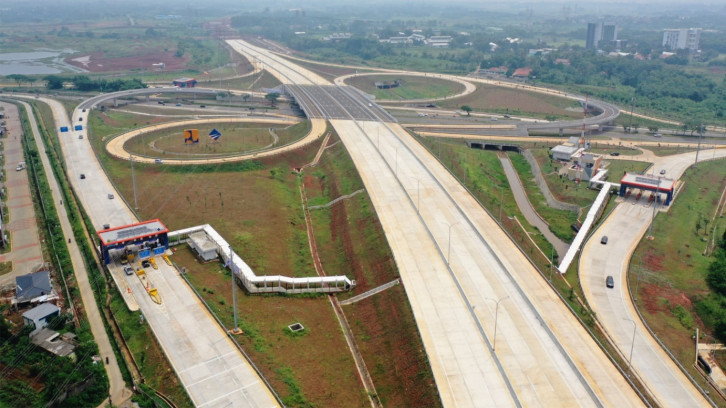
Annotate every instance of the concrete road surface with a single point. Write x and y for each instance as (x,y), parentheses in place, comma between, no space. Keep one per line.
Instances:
(625,228)
(25,251)
(212,370)
(457,267)
(119,393)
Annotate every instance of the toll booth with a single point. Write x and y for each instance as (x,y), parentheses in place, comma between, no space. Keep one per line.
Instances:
(647,182)
(147,239)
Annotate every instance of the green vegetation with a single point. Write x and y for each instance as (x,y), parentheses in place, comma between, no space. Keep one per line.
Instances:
(38,377)
(85,84)
(6,267)
(676,278)
(408,87)
(558,220)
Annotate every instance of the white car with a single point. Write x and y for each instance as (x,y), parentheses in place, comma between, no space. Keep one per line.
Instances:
(110,196)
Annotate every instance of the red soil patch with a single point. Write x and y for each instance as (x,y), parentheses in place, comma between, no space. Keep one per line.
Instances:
(654,261)
(658,298)
(97,61)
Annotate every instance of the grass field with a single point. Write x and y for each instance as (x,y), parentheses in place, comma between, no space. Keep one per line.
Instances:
(256,207)
(558,220)
(488,98)
(670,150)
(350,240)
(667,274)
(410,87)
(236,138)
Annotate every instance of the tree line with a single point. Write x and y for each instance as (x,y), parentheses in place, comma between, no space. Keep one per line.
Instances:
(87,84)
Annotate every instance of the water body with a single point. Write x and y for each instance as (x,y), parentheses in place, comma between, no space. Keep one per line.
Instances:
(40,62)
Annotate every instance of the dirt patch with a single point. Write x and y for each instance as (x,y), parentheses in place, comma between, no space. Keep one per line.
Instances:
(654,260)
(98,62)
(662,299)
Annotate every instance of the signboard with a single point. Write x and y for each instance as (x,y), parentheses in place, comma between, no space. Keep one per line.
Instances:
(144,254)
(191,136)
(159,251)
(64,129)
(79,127)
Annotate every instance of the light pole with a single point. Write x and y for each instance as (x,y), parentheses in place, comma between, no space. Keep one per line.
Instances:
(448,251)
(655,204)
(396,170)
(632,344)
(496,319)
(552,261)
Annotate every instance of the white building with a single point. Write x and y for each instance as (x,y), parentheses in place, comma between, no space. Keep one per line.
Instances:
(681,38)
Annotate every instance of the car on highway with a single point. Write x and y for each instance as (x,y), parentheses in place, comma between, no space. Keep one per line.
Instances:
(83,176)
(158,161)
(80,119)
(202,106)
(80,136)
(657,135)
(610,282)
(84,110)
(178,104)
(145,263)
(110,196)
(507,116)
(160,102)
(662,171)
(494,119)
(614,154)
(128,270)
(604,240)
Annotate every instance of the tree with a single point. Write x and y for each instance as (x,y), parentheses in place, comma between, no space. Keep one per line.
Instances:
(18,78)
(272,97)
(53,82)
(246,96)
(716,277)
(467,109)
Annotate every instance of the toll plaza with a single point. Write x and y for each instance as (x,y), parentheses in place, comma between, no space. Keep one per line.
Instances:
(143,240)
(632,182)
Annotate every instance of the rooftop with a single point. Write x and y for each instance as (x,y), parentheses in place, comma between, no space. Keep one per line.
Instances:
(41,311)
(32,285)
(131,232)
(48,339)
(648,181)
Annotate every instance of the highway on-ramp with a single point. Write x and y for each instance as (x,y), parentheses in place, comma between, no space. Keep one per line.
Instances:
(210,367)
(625,228)
(466,280)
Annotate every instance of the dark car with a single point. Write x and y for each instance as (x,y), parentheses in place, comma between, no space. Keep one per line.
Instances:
(80,119)
(604,240)
(83,176)
(614,154)
(145,263)
(610,282)
(202,106)
(662,171)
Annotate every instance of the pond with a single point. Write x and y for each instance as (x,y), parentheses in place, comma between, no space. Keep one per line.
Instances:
(39,62)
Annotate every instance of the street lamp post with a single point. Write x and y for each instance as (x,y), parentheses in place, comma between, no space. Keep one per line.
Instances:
(396,170)
(632,344)
(418,193)
(448,251)
(655,204)
(496,320)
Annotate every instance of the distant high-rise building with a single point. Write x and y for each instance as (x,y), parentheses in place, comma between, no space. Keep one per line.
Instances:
(682,38)
(600,31)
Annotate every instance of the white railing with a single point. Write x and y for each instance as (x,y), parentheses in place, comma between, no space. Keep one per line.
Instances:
(264,284)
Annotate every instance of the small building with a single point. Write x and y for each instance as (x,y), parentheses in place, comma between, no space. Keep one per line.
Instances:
(34,288)
(185,82)
(522,72)
(438,41)
(584,166)
(40,316)
(564,151)
(52,342)
(204,246)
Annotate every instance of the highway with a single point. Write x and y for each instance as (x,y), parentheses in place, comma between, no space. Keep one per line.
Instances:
(625,228)
(211,369)
(463,277)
